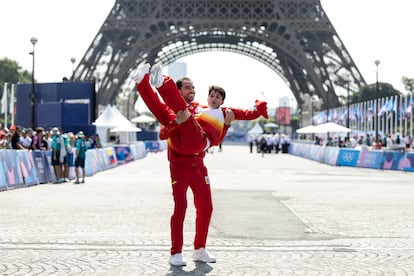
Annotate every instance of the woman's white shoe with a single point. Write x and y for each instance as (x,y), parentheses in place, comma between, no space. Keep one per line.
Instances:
(142,70)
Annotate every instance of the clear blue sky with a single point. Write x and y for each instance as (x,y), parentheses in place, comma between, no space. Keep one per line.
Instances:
(370,30)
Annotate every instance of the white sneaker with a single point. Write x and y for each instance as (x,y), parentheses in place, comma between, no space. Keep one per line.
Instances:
(202,255)
(156,78)
(177,260)
(142,70)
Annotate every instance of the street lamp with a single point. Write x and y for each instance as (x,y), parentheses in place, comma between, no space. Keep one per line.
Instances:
(377,62)
(32,95)
(73,60)
(312,110)
(347,104)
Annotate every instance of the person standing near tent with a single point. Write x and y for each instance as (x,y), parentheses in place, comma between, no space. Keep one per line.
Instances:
(80,156)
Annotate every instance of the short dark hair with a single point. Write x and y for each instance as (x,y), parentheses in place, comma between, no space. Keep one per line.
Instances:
(179,82)
(218,89)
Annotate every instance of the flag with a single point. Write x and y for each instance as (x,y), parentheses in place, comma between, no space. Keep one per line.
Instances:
(383,107)
(11,107)
(4,99)
(391,105)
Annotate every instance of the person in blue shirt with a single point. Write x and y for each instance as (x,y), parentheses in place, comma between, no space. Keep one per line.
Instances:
(57,155)
(80,156)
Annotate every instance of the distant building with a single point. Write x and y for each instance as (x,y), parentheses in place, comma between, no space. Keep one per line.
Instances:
(177,70)
(284,101)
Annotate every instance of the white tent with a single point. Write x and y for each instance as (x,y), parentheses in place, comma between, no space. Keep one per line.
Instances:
(331,127)
(109,119)
(271,125)
(307,129)
(143,119)
(256,129)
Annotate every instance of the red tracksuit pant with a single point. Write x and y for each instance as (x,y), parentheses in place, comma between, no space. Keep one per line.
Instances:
(184,175)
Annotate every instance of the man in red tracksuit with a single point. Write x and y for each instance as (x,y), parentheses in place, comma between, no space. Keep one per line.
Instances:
(187,169)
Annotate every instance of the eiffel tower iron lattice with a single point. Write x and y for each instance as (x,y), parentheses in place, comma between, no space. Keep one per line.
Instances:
(293,37)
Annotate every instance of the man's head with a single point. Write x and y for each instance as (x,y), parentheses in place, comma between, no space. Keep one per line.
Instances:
(186,87)
(39,130)
(55,131)
(216,96)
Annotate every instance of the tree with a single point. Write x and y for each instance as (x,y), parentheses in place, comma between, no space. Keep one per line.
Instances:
(408,84)
(369,92)
(12,72)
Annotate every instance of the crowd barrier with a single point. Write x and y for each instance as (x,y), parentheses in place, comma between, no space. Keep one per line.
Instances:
(363,158)
(21,168)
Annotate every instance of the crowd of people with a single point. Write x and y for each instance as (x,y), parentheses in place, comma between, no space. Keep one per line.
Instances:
(386,141)
(268,143)
(67,148)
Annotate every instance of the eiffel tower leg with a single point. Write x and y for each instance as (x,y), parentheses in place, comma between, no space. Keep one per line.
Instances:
(161,111)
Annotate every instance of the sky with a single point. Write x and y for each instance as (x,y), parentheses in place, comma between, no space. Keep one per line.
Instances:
(370,30)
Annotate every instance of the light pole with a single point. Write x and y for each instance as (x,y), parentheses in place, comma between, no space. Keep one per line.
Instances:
(33,40)
(347,105)
(377,62)
(312,110)
(73,60)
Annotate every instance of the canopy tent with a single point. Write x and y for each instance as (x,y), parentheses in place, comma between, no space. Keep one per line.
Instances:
(143,119)
(271,125)
(110,118)
(126,133)
(256,129)
(126,129)
(307,129)
(324,128)
(331,127)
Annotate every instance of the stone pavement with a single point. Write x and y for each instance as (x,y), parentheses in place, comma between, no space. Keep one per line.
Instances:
(277,215)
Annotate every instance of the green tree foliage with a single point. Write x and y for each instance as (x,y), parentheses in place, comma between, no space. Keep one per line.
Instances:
(12,72)
(369,92)
(408,84)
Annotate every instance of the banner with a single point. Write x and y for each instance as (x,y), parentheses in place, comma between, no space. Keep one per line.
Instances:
(407,163)
(27,168)
(391,160)
(347,157)
(42,166)
(3,179)
(11,168)
(283,115)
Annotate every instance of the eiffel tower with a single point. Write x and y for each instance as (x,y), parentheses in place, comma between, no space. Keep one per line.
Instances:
(293,37)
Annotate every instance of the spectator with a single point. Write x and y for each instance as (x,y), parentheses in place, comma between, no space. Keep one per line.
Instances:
(25,140)
(80,156)
(15,138)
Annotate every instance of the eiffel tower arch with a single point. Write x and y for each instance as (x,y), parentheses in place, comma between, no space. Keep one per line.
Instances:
(293,37)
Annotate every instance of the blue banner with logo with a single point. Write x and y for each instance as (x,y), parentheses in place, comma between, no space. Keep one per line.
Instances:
(407,163)
(347,157)
(391,160)
(123,154)
(42,166)
(370,159)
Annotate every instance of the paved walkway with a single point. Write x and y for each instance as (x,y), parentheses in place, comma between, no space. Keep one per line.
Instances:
(277,215)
